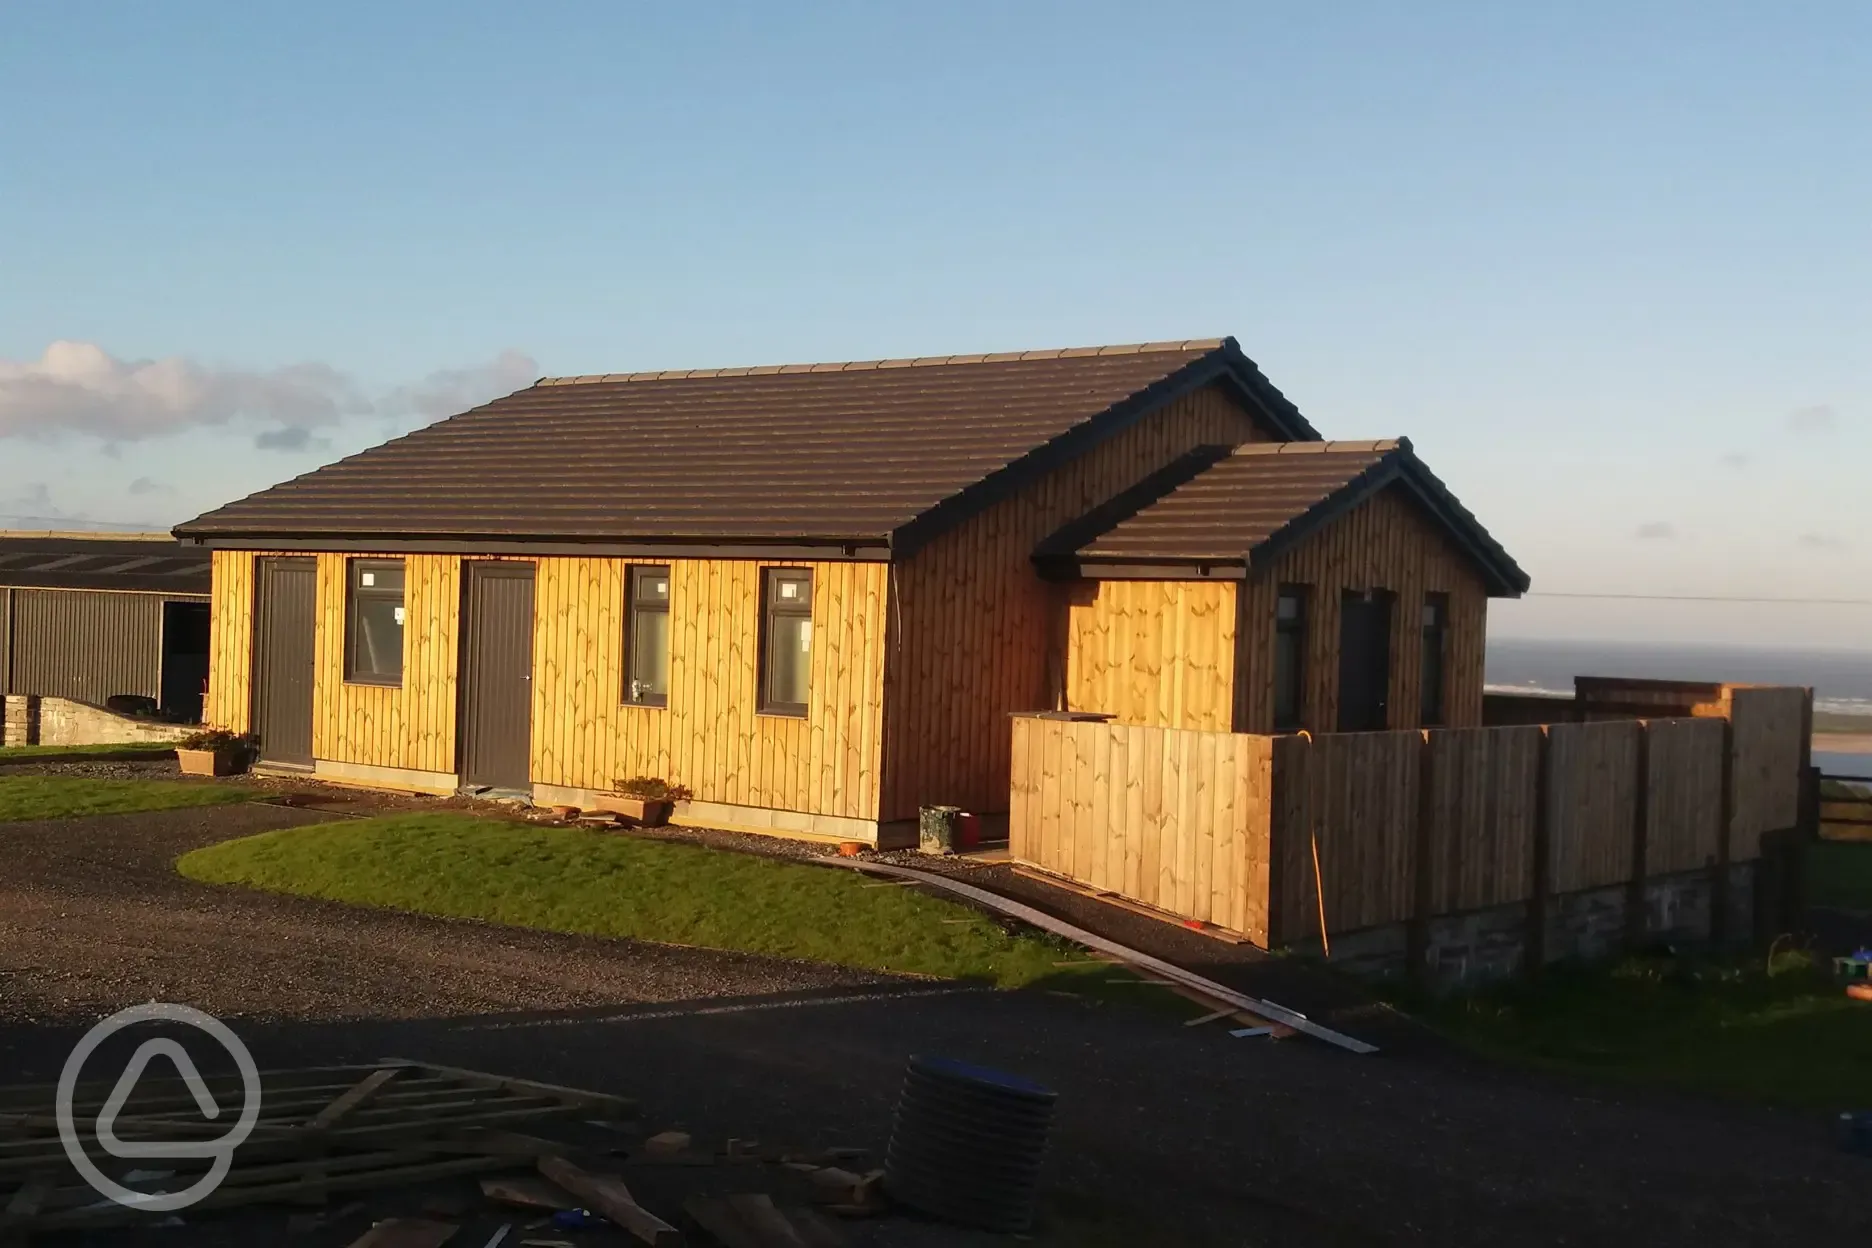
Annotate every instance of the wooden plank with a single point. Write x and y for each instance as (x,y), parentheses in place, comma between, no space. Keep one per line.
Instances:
(621,1107)
(406,1233)
(1133,957)
(350,1100)
(611,1198)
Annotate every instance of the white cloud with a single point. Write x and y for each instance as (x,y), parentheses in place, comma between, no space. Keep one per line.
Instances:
(1820,418)
(79,388)
(452,390)
(1657,530)
(1821,541)
(145,485)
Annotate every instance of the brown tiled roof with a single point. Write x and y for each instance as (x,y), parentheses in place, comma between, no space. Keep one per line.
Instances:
(861,453)
(1225,506)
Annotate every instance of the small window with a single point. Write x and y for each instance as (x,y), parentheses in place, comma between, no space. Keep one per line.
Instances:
(1435,627)
(647,681)
(786,649)
(1290,631)
(374,645)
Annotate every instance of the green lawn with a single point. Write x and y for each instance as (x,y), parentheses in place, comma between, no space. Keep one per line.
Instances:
(1730,1029)
(56,797)
(27,753)
(578,880)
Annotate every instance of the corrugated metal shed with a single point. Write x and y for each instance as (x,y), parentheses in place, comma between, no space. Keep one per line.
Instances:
(839,453)
(1231,507)
(83,617)
(87,646)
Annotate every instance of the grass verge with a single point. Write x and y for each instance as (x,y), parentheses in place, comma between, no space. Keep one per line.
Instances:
(59,797)
(1782,1033)
(577,880)
(26,753)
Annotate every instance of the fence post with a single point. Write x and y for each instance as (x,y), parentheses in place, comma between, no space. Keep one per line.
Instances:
(1417,932)
(1637,919)
(1719,880)
(1535,943)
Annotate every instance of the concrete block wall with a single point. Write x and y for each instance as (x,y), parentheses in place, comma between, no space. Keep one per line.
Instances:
(1482,946)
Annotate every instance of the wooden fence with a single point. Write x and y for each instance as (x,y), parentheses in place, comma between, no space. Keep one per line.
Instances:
(1283,838)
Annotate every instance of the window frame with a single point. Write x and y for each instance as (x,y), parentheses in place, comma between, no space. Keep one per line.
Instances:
(1297,628)
(356,592)
(634,608)
(771,609)
(1433,712)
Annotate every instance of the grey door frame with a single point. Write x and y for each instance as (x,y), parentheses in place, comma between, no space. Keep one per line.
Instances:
(260,668)
(470,751)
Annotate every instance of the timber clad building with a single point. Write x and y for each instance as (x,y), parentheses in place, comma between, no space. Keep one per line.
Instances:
(814,594)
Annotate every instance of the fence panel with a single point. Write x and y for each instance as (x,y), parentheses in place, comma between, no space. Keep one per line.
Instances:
(1357,805)
(1481,833)
(1684,813)
(1172,818)
(1593,803)
(1767,726)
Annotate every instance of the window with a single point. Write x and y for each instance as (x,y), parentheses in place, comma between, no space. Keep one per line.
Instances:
(786,647)
(647,680)
(1289,657)
(374,644)
(1435,625)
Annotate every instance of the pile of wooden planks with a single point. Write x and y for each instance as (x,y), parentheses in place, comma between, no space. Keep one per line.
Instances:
(321,1131)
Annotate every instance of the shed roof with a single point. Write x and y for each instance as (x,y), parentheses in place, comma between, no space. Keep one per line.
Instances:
(873,453)
(147,563)
(1246,505)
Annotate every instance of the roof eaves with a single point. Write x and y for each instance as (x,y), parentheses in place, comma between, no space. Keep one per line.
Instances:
(1103,518)
(1213,365)
(1400,466)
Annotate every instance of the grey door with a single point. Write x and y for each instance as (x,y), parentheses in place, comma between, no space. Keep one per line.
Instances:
(497,674)
(285,602)
(1364,660)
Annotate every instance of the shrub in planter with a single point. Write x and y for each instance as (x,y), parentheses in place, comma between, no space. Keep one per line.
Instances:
(214,752)
(644,800)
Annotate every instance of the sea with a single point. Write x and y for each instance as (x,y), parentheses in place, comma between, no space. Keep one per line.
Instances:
(1841,679)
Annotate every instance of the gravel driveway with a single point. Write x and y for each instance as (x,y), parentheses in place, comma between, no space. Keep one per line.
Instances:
(1166,1134)
(93,915)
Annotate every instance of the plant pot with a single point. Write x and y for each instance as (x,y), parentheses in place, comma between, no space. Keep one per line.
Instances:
(228,762)
(643,812)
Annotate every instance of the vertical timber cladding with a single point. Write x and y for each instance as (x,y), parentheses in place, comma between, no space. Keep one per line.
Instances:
(411,725)
(710,736)
(1159,653)
(230,642)
(1386,542)
(974,623)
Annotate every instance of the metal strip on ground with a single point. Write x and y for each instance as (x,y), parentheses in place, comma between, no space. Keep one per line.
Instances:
(1142,961)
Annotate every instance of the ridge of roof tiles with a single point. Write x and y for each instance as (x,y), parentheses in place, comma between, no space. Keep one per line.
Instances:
(1377,446)
(915,361)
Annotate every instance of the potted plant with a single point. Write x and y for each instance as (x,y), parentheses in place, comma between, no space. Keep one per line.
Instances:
(645,801)
(213,752)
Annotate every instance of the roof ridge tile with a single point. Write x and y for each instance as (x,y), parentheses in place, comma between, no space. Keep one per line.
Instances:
(919,361)
(1353,447)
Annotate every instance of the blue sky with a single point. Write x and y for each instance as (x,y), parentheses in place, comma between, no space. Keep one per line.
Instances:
(1609,266)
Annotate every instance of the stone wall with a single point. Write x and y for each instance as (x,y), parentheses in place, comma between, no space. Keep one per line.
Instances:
(1464,950)
(32,720)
